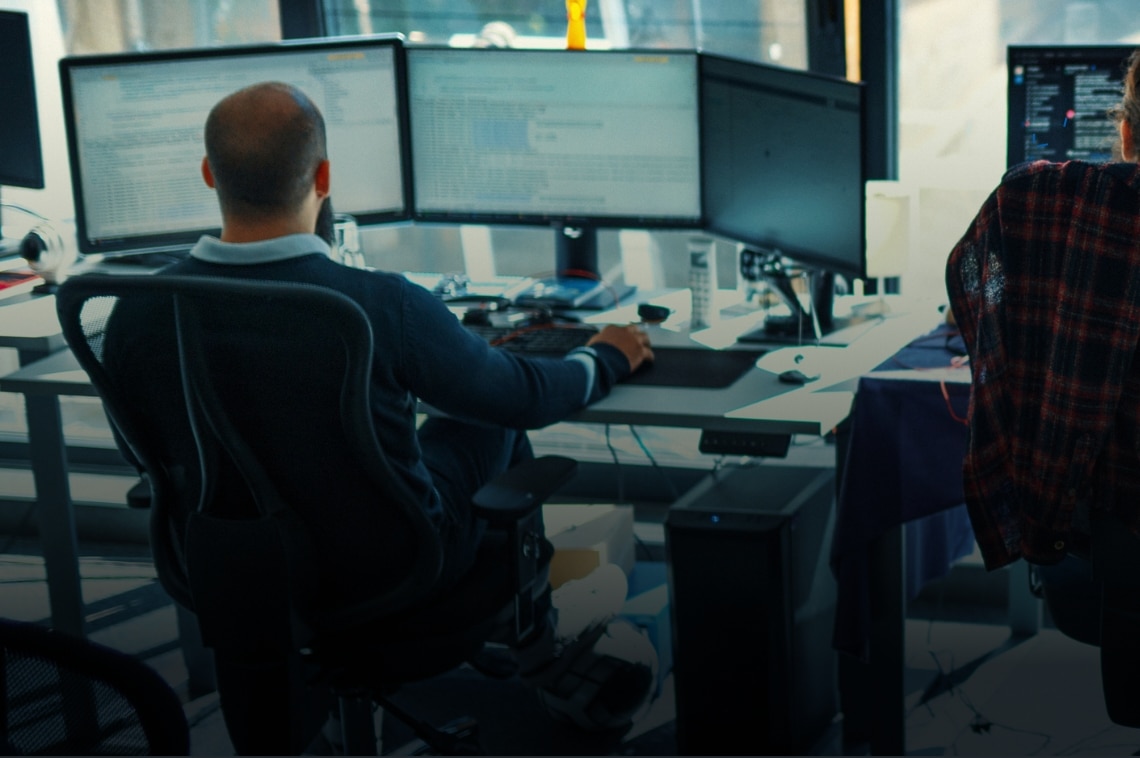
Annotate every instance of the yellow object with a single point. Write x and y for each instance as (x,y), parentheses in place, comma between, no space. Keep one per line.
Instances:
(586,537)
(576,24)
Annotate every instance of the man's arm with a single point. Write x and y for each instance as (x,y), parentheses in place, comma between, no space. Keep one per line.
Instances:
(448,367)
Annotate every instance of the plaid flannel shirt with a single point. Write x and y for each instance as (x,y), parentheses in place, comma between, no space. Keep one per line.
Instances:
(1045,287)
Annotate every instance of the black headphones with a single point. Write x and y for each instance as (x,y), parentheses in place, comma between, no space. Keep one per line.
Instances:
(47,252)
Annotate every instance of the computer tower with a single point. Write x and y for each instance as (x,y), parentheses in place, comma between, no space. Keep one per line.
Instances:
(752,605)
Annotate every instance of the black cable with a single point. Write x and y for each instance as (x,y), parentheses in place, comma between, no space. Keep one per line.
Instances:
(653,461)
(617,466)
(979,723)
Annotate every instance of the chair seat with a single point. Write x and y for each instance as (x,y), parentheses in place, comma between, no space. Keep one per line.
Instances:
(437,637)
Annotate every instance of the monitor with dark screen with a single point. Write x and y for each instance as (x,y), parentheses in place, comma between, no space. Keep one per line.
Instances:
(783,163)
(21,164)
(135,133)
(1058,101)
(571,139)
(21,161)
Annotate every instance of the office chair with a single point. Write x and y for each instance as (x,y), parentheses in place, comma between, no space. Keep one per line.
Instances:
(274,514)
(1095,598)
(65,695)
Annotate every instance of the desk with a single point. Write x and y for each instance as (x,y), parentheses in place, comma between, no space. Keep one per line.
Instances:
(901,518)
(757,403)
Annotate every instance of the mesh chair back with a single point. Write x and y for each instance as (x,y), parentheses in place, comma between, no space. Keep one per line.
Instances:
(63,695)
(278,378)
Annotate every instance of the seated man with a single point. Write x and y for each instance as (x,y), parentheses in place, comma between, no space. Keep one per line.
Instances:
(266,158)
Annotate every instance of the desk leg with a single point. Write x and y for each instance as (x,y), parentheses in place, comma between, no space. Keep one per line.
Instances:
(54,517)
(888,643)
(1024,608)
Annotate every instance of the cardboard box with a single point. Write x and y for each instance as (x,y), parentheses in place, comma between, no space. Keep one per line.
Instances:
(586,537)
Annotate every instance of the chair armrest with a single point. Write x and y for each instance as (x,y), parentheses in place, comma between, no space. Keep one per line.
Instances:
(522,489)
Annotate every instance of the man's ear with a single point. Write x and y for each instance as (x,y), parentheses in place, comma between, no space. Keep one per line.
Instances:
(207,174)
(321,179)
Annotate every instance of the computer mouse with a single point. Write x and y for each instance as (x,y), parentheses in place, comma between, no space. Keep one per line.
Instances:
(652,314)
(795,376)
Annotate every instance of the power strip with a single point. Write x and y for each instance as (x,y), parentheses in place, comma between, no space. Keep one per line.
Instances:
(744,443)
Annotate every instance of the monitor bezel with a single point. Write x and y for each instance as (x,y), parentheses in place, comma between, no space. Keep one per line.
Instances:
(807,257)
(33,140)
(555,220)
(1062,51)
(183,239)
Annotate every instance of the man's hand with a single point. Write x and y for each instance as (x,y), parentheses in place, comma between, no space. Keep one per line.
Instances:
(631,340)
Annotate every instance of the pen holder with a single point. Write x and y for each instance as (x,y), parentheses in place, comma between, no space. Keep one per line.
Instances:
(702,281)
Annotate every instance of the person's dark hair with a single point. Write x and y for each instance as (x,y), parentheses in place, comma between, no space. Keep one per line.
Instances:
(1128,109)
(263,144)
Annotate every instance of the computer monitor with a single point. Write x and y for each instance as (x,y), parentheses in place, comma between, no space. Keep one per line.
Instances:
(571,139)
(1058,99)
(135,133)
(783,173)
(21,161)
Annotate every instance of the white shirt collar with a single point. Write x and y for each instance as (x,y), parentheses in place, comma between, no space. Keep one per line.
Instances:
(213,250)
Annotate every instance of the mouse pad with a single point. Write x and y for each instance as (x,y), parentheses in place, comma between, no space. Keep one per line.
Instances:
(686,367)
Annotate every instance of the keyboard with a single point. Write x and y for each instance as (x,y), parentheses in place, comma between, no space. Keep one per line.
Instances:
(541,339)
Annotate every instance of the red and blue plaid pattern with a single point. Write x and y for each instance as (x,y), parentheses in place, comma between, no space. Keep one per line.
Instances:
(1045,287)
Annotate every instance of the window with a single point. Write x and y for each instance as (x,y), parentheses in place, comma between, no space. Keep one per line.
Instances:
(111,26)
(769,30)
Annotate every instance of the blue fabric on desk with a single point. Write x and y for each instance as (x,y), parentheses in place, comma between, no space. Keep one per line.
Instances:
(904,465)
(935,349)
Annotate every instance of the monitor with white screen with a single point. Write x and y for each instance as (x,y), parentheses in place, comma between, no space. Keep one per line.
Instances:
(135,133)
(1058,101)
(571,139)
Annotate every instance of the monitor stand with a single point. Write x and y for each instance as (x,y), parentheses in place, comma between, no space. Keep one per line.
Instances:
(576,284)
(817,326)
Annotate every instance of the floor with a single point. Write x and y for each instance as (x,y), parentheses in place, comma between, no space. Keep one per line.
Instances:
(971,690)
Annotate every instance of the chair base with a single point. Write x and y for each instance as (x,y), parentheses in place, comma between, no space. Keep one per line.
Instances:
(356,730)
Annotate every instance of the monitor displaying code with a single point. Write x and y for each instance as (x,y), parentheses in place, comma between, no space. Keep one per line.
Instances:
(136,123)
(531,135)
(1059,98)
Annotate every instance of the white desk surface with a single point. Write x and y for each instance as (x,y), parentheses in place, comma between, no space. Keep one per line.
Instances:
(757,402)
(29,322)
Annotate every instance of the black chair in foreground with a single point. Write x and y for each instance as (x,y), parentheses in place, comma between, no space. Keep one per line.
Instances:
(275,517)
(65,695)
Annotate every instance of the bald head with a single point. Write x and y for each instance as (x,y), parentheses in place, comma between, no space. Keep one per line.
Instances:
(264,145)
